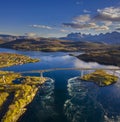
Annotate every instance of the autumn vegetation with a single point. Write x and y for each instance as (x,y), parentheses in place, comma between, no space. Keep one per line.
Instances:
(9,59)
(24,92)
(23,88)
(101,78)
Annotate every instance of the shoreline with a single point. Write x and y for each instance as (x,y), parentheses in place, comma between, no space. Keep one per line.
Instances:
(11,59)
(105,58)
(100,77)
(24,92)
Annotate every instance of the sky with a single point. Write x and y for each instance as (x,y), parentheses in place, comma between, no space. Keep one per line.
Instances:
(57,18)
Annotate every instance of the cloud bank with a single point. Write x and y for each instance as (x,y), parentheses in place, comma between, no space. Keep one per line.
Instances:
(105,19)
(31,34)
(108,14)
(41,26)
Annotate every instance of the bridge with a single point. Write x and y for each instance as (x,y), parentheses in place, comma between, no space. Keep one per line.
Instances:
(80,69)
(60,69)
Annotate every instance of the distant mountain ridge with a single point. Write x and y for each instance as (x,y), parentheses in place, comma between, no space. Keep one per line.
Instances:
(7,38)
(110,38)
(113,37)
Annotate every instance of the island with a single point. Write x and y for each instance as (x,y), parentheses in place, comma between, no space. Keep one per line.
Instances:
(100,77)
(10,59)
(16,91)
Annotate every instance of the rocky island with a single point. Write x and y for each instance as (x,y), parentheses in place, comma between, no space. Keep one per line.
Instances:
(101,78)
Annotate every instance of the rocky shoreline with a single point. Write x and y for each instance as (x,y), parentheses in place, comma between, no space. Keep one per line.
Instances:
(23,92)
(101,78)
(102,57)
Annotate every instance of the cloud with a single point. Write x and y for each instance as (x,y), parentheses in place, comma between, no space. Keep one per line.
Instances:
(79,2)
(86,11)
(82,64)
(63,30)
(31,34)
(118,29)
(105,19)
(86,26)
(102,28)
(107,23)
(86,22)
(80,22)
(41,26)
(80,26)
(108,14)
(82,18)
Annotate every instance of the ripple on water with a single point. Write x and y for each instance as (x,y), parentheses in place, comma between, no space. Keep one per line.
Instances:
(46,103)
(87,102)
(42,108)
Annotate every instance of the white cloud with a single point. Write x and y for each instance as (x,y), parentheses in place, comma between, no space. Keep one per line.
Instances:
(102,28)
(86,11)
(79,3)
(82,18)
(107,23)
(81,22)
(105,19)
(90,25)
(42,26)
(31,34)
(79,26)
(108,14)
(82,64)
(63,30)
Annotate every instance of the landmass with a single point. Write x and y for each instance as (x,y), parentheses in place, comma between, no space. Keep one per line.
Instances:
(53,45)
(23,93)
(101,78)
(107,57)
(16,91)
(1,41)
(9,59)
(93,51)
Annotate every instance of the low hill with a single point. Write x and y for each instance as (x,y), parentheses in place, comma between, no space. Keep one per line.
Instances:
(107,57)
(8,38)
(1,41)
(48,44)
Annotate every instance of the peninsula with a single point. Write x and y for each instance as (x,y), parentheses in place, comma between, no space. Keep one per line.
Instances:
(107,57)
(10,59)
(23,90)
(16,90)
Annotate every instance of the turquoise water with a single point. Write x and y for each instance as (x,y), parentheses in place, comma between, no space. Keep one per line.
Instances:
(64,98)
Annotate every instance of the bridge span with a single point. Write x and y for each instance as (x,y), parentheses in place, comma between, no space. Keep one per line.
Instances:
(56,69)
(60,69)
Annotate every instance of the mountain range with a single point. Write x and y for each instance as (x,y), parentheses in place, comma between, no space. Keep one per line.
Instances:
(7,38)
(110,38)
(72,42)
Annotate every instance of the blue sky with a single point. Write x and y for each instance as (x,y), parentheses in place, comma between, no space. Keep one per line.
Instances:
(55,18)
